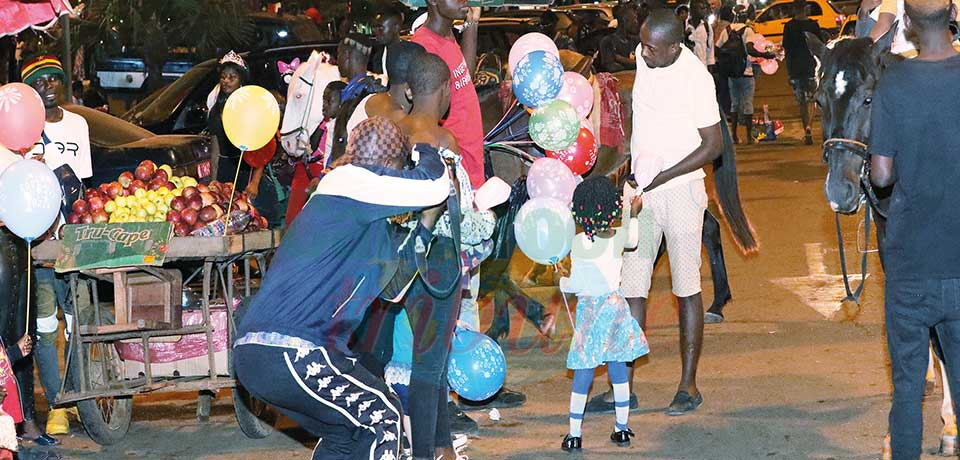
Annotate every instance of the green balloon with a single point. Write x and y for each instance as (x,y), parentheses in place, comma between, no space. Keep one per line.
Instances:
(554,125)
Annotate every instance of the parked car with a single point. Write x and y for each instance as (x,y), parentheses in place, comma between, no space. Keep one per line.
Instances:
(181,107)
(770,20)
(117,146)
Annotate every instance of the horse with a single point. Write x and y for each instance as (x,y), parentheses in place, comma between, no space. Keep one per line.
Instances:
(849,71)
(304,109)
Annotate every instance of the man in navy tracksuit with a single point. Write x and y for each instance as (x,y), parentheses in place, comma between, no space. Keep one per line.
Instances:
(339,255)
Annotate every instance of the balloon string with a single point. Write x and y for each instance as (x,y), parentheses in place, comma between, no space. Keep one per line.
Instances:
(29,270)
(233,190)
(573,325)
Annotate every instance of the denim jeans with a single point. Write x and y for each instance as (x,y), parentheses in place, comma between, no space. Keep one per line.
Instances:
(912,307)
(53,292)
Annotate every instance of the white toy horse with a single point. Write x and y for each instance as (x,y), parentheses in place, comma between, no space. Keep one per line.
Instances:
(304,110)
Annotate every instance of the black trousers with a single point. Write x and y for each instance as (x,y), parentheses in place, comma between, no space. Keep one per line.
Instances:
(912,308)
(327,393)
(13,311)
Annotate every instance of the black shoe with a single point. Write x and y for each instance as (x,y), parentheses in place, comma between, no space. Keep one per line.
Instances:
(572,443)
(461,422)
(622,437)
(597,405)
(683,403)
(504,399)
(807,137)
(43,440)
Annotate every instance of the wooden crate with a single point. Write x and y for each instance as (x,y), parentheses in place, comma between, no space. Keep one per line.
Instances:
(152,297)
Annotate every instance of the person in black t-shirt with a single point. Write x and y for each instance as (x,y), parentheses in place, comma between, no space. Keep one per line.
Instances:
(616,49)
(917,154)
(800,63)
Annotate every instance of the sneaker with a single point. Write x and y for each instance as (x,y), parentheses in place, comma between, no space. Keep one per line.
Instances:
(460,422)
(57,422)
(597,405)
(504,399)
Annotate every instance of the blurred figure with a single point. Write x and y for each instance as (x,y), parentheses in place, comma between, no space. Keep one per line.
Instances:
(617,49)
(94,96)
(386,32)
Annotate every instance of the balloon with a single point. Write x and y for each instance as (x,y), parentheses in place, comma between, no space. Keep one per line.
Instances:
(555,125)
(493,192)
(585,123)
(29,198)
(261,157)
(550,178)
(23,116)
(251,117)
(477,367)
(769,66)
(578,92)
(580,156)
(544,229)
(533,41)
(537,78)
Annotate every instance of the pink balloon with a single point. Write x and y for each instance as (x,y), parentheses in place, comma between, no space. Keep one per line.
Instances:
(533,41)
(769,66)
(493,192)
(550,178)
(23,116)
(577,91)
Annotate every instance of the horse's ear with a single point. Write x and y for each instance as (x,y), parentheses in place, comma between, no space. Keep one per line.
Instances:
(883,45)
(816,47)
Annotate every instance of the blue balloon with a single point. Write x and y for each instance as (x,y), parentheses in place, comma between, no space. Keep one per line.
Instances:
(30,197)
(477,367)
(538,78)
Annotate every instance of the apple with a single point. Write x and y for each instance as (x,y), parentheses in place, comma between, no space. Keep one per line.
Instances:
(188,216)
(207,198)
(100,217)
(167,169)
(114,189)
(156,184)
(189,192)
(142,173)
(110,207)
(202,188)
(79,206)
(178,203)
(86,218)
(207,214)
(195,202)
(95,204)
(149,165)
(137,184)
(241,205)
(181,229)
(170,186)
(104,189)
(73,218)
(173,216)
(161,174)
(125,179)
(125,192)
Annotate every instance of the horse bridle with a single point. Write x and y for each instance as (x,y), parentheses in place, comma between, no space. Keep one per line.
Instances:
(301,129)
(861,150)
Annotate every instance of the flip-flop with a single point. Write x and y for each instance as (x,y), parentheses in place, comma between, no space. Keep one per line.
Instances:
(683,403)
(712,318)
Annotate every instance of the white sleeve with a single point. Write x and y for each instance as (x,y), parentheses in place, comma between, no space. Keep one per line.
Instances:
(84,161)
(705,98)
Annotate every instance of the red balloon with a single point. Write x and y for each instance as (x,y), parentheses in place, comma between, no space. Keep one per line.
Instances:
(23,116)
(314,14)
(260,157)
(580,156)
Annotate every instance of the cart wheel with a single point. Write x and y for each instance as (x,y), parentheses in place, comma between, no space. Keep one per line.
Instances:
(204,401)
(105,419)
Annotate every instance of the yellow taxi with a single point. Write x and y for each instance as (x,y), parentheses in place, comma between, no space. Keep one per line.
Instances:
(770,20)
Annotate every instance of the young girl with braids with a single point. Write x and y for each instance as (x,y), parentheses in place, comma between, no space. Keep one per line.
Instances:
(605,331)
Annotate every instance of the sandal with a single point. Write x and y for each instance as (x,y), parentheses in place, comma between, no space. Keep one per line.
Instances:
(683,403)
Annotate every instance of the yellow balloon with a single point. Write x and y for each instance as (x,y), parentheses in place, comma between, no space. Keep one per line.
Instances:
(251,117)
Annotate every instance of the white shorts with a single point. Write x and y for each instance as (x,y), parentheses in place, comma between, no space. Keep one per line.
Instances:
(677,214)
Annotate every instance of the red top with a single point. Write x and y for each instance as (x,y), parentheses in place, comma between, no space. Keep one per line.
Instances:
(464,119)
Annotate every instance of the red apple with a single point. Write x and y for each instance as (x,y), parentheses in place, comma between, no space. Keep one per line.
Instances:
(80,206)
(114,190)
(104,189)
(189,192)
(161,174)
(90,193)
(125,179)
(95,204)
(241,205)
(137,185)
(181,229)
(142,173)
(214,186)
(86,218)
(173,216)
(195,202)
(170,186)
(149,165)
(188,216)
(207,198)
(198,225)
(73,218)
(202,188)
(156,184)
(125,192)
(100,217)
(178,203)
(207,214)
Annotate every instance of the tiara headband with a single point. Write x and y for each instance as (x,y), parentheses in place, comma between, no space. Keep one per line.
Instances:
(233,58)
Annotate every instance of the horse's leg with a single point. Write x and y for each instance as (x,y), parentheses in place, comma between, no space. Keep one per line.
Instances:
(718,268)
(948,437)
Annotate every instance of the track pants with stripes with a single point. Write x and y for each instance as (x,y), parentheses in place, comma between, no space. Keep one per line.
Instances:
(329,394)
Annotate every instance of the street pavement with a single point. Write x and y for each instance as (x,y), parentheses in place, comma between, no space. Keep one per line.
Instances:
(789,375)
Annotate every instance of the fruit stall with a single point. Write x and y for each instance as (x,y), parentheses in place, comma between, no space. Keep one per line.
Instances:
(149,235)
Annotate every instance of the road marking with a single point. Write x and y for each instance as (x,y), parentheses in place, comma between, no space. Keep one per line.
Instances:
(818,290)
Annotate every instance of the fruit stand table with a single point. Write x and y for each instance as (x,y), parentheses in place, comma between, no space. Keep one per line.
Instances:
(96,378)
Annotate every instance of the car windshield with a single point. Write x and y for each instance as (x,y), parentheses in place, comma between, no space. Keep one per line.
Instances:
(156,109)
(107,130)
(305,30)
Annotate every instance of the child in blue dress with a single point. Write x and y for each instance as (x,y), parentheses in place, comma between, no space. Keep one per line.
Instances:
(606,332)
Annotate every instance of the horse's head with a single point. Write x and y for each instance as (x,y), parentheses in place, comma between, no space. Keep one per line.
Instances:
(849,71)
(304,110)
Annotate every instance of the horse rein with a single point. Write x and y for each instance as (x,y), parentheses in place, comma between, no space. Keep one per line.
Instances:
(306,115)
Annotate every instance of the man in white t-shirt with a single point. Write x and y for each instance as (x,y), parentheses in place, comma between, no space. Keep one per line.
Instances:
(65,142)
(676,121)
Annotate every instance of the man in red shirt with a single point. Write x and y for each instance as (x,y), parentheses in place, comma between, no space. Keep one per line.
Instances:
(463,119)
